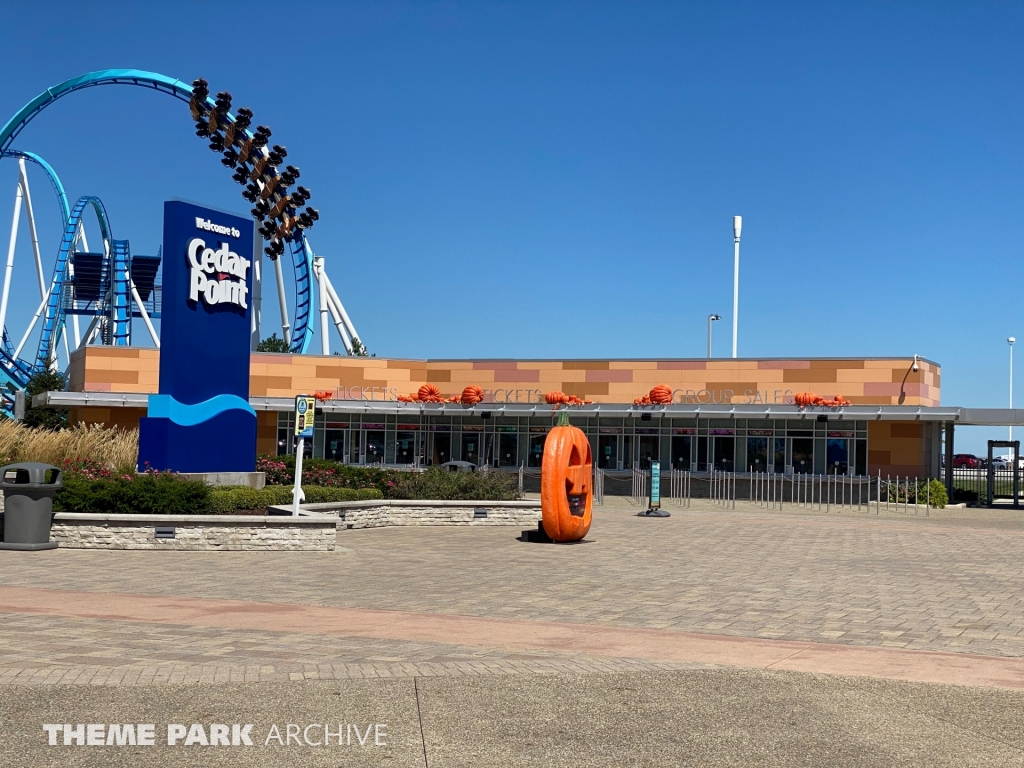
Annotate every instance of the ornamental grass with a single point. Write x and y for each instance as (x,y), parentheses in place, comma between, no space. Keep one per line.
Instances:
(117,449)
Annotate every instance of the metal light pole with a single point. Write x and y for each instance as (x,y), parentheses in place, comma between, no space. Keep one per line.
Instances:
(1010,341)
(711,319)
(737,226)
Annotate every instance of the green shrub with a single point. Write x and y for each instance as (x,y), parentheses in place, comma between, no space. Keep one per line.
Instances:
(937,493)
(231,498)
(280,470)
(437,483)
(147,494)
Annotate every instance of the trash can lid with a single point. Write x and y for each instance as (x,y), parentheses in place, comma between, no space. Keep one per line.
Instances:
(29,473)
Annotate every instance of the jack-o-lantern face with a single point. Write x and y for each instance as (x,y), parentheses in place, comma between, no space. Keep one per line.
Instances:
(566,494)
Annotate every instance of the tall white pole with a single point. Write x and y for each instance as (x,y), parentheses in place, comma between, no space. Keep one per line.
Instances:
(737,226)
(1010,341)
(10,258)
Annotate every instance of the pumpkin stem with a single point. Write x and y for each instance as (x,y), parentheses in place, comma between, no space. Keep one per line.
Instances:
(563,418)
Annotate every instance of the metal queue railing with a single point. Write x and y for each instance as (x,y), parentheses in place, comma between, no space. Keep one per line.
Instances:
(775,491)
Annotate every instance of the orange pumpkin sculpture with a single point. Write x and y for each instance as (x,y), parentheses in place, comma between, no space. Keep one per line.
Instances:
(556,398)
(661,395)
(566,494)
(429,393)
(472,395)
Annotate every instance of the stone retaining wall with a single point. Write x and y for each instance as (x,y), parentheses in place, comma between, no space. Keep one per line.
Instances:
(195,532)
(378,514)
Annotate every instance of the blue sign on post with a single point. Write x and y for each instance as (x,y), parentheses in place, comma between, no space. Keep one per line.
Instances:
(201,420)
(655,484)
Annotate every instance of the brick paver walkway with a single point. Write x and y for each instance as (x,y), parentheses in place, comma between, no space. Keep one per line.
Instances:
(885,581)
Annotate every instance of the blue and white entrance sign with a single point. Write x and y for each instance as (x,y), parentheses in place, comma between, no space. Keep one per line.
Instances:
(655,484)
(201,420)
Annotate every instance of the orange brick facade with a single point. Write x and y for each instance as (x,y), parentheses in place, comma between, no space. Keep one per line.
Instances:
(880,381)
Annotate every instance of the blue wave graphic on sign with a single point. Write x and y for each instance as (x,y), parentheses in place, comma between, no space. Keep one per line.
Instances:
(166,407)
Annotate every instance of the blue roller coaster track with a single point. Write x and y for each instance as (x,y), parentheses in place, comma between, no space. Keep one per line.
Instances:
(302,253)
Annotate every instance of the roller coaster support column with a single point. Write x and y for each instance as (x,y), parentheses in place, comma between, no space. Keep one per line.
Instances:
(145,314)
(10,257)
(342,331)
(32,227)
(322,300)
(341,310)
(286,329)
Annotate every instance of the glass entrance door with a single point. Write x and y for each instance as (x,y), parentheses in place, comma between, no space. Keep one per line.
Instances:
(334,444)
(471,447)
(724,453)
(648,450)
(608,451)
(681,453)
(374,446)
(803,455)
(442,447)
(757,454)
(405,448)
(838,456)
(508,450)
(535,457)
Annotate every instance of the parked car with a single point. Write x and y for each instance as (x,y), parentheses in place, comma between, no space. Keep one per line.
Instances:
(966,461)
(459,466)
(1000,462)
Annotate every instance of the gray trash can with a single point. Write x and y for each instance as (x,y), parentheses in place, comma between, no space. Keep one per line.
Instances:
(28,504)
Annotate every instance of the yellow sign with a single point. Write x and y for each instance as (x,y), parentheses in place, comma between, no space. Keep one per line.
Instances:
(305,407)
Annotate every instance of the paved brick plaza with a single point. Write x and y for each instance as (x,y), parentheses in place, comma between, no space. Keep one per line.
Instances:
(684,641)
(942,583)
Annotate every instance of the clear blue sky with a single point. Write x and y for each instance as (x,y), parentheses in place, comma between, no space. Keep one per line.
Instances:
(559,179)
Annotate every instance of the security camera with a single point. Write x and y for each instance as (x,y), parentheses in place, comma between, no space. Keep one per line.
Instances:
(914,368)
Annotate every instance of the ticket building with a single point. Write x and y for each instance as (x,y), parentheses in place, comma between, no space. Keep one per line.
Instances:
(734,414)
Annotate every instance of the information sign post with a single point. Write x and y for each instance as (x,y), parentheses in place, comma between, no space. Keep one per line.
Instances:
(654,496)
(305,408)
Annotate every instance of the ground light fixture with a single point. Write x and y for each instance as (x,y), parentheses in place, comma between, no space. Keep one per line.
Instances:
(711,319)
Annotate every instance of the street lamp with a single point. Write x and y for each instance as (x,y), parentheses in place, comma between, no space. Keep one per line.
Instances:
(1010,341)
(737,226)
(711,319)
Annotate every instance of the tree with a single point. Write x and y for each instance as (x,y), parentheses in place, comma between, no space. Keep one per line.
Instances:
(45,418)
(358,350)
(272,344)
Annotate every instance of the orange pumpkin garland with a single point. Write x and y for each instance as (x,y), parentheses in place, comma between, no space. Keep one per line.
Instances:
(566,493)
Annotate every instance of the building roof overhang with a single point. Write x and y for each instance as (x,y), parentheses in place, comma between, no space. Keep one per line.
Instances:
(955,414)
